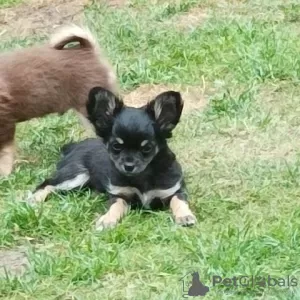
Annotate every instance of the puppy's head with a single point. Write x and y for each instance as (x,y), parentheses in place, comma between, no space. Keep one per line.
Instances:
(133,135)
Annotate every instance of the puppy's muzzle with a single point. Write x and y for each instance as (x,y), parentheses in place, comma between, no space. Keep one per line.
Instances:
(129,167)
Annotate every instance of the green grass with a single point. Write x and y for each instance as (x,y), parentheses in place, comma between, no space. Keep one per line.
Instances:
(240,157)
(9,3)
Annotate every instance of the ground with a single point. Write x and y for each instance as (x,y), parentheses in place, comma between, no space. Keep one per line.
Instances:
(237,65)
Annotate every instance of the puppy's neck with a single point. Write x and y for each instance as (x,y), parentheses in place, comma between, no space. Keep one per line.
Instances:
(164,158)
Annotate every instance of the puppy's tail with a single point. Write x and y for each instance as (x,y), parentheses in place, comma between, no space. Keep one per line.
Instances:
(73,33)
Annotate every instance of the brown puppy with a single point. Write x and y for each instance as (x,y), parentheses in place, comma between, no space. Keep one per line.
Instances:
(48,79)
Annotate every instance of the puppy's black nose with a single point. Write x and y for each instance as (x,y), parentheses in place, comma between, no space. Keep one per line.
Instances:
(128,167)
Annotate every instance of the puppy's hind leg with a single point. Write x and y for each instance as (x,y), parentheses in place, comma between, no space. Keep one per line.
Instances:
(40,195)
(7,159)
(7,149)
(65,179)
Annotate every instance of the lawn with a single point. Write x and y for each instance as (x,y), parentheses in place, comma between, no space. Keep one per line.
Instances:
(240,155)
(8,3)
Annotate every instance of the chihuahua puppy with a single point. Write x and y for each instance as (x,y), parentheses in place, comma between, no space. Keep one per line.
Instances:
(51,78)
(132,162)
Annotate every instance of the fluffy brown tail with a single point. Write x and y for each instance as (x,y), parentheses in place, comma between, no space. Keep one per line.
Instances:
(70,34)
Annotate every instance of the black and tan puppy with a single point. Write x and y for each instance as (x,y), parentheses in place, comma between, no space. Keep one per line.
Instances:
(133,164)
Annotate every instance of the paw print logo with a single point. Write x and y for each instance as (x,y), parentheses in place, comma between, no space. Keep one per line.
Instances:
(194,287)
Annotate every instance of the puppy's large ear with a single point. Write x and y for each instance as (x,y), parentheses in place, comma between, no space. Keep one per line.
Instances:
(102,107)
(166,110)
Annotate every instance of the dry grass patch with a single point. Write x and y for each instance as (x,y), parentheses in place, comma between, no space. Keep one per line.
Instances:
(247,10)
(13,262)
(117,3)
(233,10)
(39,17)
(195,17)
(194,97)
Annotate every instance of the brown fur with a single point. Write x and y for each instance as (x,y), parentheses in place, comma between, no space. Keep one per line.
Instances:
(48,79)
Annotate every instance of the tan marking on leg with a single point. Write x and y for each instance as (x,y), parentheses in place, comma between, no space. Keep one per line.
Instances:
(7,159)
(113,216)
(181,212)
(41,195)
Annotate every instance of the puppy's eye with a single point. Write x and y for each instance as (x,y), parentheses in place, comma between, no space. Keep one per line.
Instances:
(117,147)
(147,148)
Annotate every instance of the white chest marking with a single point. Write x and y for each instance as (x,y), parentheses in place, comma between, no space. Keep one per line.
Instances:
(146,197)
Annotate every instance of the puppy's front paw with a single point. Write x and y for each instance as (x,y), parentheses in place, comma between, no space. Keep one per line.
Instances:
(186,220)
(106,221)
